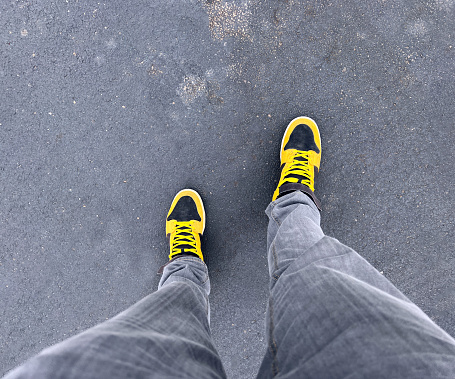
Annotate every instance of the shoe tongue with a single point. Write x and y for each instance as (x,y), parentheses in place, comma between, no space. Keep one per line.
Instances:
(186,254)
(183,248)
(184,234)
(299,176)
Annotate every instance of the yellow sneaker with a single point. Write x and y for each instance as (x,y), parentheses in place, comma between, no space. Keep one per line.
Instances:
(300,158)
(185,224)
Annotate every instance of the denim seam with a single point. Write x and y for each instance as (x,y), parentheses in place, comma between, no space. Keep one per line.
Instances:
(320,260)
(182,279)
(197,260)
(272,345)
(275,257)
(284,269)
(207,306)
(273,217)
(206,298)
(189,259)
(206,280)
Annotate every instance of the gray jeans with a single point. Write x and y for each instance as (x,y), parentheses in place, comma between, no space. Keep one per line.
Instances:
(330,315)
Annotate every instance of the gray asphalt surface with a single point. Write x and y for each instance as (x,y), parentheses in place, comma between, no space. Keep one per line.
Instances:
(109,109)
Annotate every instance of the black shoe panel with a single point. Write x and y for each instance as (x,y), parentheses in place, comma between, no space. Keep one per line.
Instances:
(185,210)
(302,138)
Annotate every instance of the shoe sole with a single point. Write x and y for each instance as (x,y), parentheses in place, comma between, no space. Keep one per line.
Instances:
(200,199)
(303,119)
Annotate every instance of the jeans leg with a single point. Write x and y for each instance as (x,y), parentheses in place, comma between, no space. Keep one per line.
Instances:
(332,315)
(165,335)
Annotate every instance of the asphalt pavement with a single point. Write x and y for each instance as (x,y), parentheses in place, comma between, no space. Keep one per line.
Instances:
(108,109)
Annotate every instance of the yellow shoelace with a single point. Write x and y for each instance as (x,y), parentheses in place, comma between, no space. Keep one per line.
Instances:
(184,235)
(301,168)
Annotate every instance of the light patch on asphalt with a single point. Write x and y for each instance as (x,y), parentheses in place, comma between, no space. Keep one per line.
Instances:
(227,19)
(100,60)
(192,87)
(418,29)
(111,44)
(445,5)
